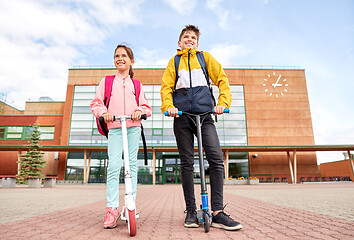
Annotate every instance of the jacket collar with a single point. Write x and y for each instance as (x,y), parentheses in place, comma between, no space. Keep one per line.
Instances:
(185,51)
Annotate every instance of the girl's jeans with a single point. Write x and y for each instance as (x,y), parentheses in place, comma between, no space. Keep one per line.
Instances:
(115,150)
(184,129)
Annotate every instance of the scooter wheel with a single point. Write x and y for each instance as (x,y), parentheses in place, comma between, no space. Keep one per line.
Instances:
(206,220)
(131,223)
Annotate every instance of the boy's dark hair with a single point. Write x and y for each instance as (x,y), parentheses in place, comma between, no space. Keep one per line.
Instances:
(190,28)
(130,55)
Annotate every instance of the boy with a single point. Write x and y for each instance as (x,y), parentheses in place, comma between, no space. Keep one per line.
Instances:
(191,94)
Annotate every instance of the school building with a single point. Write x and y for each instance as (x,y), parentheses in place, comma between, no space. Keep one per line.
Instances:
(270,107)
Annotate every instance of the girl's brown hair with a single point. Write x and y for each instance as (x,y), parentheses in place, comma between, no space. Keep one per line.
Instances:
(130,55)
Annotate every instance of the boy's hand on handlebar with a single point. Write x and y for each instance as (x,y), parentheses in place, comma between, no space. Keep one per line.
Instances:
(218,110)
(108,117)
(173,112)
(136,115)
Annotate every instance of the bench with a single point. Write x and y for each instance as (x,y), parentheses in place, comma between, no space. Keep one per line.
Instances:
(8,181)
(35,182)
(49,181)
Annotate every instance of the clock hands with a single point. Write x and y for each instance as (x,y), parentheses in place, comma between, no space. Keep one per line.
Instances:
(276,83)
(275,92)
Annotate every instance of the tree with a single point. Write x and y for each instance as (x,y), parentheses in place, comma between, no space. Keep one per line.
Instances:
(31,163)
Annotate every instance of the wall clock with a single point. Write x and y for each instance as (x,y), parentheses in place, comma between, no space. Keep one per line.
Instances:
(275,85)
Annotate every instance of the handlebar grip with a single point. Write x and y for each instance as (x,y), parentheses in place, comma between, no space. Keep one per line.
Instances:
(226,110)
(179,113)
(143,116)
(101,119)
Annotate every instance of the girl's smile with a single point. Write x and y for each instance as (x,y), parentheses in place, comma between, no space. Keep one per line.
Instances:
(122,61)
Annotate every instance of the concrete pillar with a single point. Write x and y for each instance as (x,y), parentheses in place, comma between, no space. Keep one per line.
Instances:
(290,167)
(153,166)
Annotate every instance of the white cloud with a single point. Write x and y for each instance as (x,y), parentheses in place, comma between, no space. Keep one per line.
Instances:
(221,12)
(226,54)
(183,7)
(150,58)
(40,40)
(113,12)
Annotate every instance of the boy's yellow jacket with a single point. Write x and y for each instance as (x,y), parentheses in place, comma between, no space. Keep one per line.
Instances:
(192,93)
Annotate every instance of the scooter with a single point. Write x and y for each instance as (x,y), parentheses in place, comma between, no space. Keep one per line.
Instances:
(203,214)
(128,213)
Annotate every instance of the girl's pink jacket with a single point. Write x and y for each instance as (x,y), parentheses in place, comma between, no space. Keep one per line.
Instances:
(122,101)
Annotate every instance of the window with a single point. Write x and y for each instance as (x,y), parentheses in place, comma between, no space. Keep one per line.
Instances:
(14,133)
(157,131)
(23,133)
(2,133)
(47,133)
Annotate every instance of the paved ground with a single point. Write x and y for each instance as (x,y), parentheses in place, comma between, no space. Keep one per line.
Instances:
(274,211)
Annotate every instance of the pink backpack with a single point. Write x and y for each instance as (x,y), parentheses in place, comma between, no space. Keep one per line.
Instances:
(101,125)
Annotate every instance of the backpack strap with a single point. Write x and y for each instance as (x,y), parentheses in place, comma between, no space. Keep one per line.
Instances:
(137,87)
(108,89)
(144,144)
(177,60)
(202,63)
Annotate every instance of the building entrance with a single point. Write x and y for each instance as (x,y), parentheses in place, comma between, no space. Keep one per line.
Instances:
(172,170)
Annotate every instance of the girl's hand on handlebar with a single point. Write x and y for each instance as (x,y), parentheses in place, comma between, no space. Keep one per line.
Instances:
(218,110)
(173,112)
(108,117)
(136,115)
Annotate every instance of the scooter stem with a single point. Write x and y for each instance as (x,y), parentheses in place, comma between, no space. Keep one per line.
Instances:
(200,153)
(127,175)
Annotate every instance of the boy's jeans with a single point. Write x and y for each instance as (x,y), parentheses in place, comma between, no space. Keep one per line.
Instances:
(184,128)
(115,149)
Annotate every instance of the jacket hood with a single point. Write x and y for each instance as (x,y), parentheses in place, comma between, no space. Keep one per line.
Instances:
(185,51)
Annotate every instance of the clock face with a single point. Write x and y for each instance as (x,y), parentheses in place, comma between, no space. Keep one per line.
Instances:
(275,85)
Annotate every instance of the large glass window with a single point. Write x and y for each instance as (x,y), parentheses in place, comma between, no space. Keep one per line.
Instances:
(158,129)
(231,127)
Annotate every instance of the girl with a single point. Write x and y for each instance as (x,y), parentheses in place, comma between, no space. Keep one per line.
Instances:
(122,102)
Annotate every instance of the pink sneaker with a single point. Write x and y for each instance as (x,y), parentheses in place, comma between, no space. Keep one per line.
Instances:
(110,220)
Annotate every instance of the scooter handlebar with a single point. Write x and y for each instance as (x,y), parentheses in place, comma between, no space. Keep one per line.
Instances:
(226,110)
(143,117)
(101,119)
(179,113)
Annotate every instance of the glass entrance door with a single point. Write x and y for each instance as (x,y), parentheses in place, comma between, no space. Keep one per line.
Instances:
(172,170)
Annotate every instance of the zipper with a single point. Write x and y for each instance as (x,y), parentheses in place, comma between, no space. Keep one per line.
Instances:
(123,96)
(190,79)
(189,68)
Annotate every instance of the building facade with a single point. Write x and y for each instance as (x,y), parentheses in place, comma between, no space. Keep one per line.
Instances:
(270,107)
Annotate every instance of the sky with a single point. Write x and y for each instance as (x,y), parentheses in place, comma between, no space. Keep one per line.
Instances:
(41,39)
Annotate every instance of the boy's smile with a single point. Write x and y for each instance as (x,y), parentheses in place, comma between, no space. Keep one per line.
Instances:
(188,40)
